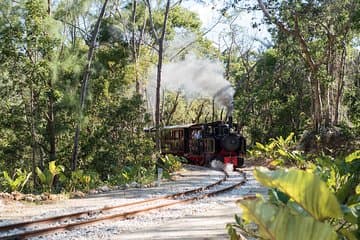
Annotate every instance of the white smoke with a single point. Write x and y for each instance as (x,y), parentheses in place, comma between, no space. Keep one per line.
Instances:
(195,78)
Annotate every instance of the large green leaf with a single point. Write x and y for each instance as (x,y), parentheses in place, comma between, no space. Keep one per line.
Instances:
(289,138)
(52,167)
(41,175)
(25,180)
(353,156)
(55,170)
(279,223)
(260,146)
(305,188)
(7,177)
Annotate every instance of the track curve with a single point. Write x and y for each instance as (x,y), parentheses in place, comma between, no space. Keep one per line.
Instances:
(176,199)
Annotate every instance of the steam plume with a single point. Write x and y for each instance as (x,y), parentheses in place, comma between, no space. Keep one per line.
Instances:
(195,77)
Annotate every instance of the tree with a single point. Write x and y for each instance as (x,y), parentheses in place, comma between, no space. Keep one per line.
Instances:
(322,32)
(270,100)
(29,64)
(160,44)
(85,83)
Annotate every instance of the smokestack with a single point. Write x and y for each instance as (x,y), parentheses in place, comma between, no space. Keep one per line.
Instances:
(213,110)
(230,121)
(229,114)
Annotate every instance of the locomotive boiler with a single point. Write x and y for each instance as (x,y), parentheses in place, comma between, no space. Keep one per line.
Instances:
(203,142)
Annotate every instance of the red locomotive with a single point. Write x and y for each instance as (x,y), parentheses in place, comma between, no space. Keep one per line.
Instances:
(204,142)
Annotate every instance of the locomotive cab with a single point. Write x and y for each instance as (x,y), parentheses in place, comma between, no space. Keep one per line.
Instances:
(222,130)
(224,143)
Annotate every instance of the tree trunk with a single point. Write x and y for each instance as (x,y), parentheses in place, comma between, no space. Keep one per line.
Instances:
(51,114)
(33,134)
(49,7)
(200,112)
(159,70)
(51,127)
(133,46)
(173,109)
(316,101)
(84,84)
(340,85)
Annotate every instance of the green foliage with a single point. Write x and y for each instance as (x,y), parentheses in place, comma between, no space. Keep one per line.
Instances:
(353,156)
(40,67)
(42,57)
(17,181)
(352,94)
(303,188)
(117,138)
(270,99)
(47,176)
(340,174)
(280,223)
(139,173)
(80,180)
(135,173)
(279,151)
(302,210)
(232,228)
(197,110)
(169,163)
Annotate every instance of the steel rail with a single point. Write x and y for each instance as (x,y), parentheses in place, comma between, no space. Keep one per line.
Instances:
(106,208)
(119,216)
(103,209)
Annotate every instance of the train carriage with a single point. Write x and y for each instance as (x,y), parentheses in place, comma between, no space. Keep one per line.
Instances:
(203,142)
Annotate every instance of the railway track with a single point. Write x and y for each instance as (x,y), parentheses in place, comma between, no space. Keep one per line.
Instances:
(60,223)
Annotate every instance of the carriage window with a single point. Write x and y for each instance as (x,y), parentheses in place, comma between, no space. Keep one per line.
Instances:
(209,130)
(165,134)
(209,145)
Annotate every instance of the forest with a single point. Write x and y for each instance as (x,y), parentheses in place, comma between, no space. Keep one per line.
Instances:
(81,80)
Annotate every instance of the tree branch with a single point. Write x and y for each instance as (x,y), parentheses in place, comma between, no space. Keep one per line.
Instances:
(151,20)
(191,43)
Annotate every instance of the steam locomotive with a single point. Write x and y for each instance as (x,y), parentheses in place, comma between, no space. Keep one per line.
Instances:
(201,143)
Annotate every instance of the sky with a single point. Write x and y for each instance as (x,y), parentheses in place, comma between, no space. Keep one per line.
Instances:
(209,15)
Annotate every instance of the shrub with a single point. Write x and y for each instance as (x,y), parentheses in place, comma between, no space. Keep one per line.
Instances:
(80,180)
(170,163)
(17,181)
(47,176)
(295,207)
(279,151)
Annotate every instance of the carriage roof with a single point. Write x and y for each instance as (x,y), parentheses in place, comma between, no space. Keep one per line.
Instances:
(190,125)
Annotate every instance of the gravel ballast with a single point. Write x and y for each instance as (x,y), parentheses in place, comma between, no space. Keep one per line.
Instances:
(204,219)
